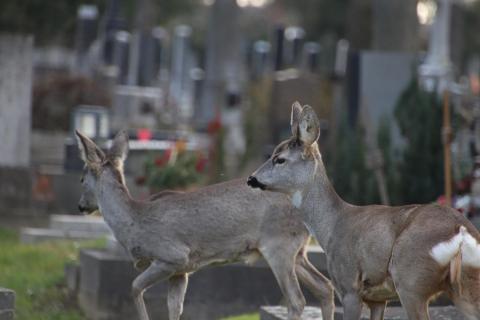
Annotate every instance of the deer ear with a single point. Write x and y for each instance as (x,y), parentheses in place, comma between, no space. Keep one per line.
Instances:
(295,117)
(90,153)
(119,149)
(308,126)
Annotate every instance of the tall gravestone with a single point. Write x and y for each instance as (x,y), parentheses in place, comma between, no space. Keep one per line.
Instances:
(224,70)
(15,120)
(395,25)
(15,100)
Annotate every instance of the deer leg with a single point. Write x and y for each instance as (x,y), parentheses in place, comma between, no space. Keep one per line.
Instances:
(352,306)
(155,272)
(416,306)
(377,309)
(283,268)
(317,284)
(177,287)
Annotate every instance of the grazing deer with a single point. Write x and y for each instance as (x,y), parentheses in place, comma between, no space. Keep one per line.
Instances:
(175,234)
(375,253)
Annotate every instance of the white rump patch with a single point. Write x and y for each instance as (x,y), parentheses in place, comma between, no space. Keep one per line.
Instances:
(297,199)
(445,251)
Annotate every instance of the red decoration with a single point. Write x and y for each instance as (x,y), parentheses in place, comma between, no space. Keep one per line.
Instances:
(214,126)
(144,134)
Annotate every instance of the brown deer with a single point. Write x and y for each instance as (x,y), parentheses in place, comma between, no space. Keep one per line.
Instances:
(375,253)
(175,234)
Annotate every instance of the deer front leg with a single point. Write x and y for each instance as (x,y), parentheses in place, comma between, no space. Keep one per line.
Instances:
(155,272)
(352,306)
(377,309)
(318,284)
(177,287)
(283,268)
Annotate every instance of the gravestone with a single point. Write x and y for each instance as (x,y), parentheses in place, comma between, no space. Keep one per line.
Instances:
(15,99)
(7,304)
(85,34)
(437,71)
(395,25)
(121,48)
(288,86)
(104,288)
(67,227)
(136,107)
(16,56)
(391,313)
(224,71)
(375,81)
(182,61)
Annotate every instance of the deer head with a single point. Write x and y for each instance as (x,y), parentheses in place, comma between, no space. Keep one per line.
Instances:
(97,163)
(293,162)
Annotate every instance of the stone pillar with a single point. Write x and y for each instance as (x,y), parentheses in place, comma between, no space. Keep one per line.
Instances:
(86,32)
(15,100)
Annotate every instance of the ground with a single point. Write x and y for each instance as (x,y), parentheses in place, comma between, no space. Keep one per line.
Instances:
(253,316)
(36,273)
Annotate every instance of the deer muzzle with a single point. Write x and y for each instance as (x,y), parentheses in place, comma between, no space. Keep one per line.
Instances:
(254,183)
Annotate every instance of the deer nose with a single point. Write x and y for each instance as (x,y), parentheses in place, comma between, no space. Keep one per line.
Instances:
(81,208)
(254,183)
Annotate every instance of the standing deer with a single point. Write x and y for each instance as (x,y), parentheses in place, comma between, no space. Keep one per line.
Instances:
(375,253)
(175,234)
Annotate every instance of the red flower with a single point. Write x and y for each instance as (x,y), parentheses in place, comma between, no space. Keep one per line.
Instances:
(162,160)
(201,164)
(214,126)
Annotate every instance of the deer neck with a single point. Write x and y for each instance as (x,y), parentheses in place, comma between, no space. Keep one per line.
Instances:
(320,206)
(114,201)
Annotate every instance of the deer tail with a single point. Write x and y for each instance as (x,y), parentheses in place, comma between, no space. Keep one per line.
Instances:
(456,271)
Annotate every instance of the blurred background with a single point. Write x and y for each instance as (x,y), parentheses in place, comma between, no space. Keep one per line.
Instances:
(205,87)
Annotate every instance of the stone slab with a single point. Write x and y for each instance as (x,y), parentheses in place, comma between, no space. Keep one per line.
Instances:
(35,235)
(7,299)
(7,315)
(391,313)
(79,223)
(214,292)
(7,304)
(72,277)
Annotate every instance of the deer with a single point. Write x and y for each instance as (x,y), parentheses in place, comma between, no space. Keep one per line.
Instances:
(375,253)
(173,234)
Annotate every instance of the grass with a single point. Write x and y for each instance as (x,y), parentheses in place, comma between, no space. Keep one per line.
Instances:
(36,273)
(252,316)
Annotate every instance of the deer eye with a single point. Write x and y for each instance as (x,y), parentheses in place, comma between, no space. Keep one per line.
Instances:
(279,160)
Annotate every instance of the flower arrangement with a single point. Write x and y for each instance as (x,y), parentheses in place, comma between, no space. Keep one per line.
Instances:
(175,168)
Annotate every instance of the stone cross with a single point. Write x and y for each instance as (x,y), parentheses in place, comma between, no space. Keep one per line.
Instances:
(436,72)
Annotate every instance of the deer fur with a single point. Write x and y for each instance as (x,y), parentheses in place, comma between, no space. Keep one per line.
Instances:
(375,253)
(175,233)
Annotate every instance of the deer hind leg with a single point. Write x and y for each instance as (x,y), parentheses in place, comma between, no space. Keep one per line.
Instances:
(317,284)
(352,306)
(466,297)
(416,306)
(282,263)
(157,271)
(177,287)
